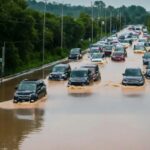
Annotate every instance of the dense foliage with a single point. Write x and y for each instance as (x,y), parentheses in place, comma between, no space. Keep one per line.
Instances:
(131,15)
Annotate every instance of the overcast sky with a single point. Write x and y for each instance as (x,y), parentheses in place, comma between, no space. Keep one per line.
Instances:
(115,3)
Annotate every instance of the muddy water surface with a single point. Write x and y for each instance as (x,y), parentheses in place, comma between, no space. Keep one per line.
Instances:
(102,116)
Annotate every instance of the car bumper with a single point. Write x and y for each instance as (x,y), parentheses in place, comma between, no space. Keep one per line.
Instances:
(132,83)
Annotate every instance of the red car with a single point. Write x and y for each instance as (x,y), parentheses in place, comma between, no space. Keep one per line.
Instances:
(118,56)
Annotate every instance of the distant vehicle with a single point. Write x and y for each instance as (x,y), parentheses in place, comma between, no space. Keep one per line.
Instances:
(96,47)
(147,46)
(60,72)
(146,58)
(121,49)
(75,54)
(125,43)
(142,41)
(133,76)
(108,50)
(94,71)
(80,77)
(147,74)
(139,48)
(118,56)
(30,90)
(98,57)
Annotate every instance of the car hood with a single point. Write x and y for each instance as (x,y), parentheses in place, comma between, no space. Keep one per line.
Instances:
(56,73)
(78,79)
(133,77)
(24,92)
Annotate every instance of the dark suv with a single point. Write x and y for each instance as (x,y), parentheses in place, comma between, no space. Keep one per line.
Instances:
(133,76)
(147,74)
(146,58)
(94,71)
(30,90)
(60,72)
(80,77)
(75,54)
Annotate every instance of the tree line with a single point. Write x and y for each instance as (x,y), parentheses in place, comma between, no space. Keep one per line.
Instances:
(21,29)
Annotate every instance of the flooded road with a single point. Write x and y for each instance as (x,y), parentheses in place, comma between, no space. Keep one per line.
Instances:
(102,116)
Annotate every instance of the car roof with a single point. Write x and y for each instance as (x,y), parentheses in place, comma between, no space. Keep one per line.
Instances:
(90,66)
(35,81)
(133,69)
(62,65)
(80,69)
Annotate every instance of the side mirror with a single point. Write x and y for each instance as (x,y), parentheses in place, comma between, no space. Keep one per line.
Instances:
(123,74)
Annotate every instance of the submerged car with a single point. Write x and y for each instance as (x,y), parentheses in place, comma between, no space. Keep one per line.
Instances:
(60,72)
(94,71)
(147,46)
(146,58)
(98,57)
(75,54)
(108,50)
(118,56)
(80,77)
(147,74)
(29,90)
(133,76)
(139,48)
(125,43)
(121,49)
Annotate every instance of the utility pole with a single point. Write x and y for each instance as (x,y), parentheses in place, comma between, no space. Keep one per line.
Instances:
(120,21)
(43,49)
(92,22)
(3,62)
(105,22)
(110,22)
(62,25)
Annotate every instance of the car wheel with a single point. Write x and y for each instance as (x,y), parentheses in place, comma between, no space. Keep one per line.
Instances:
(15,101)
(45,93)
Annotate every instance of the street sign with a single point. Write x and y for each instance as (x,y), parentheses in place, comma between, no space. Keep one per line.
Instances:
(1,60)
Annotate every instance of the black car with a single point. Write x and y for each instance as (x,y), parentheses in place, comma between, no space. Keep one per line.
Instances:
(133,76)
(147,74)
(146,58)
(29,90)
(94,71)
(121,49)
(60,72)
(75,54)
(80,77)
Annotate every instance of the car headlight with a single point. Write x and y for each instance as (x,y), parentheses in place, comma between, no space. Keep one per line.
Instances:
(16,94)
(63,75)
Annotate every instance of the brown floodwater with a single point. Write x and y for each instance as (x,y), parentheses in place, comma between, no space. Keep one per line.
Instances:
(102,116)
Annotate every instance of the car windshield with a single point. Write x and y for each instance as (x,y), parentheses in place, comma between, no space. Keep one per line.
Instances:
(133,72)
(119,49)
(117,54)
(27,87)
(142,40)
(147,44)
(92,69)
(58,69)
(79,74)
(97,55)
(124,41)
(74,51)
(139,47)
(108,47)
(147,55)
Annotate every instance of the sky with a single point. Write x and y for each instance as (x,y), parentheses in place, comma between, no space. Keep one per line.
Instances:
(115,3)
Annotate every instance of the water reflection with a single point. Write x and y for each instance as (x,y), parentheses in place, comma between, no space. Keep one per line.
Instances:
(15,125)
